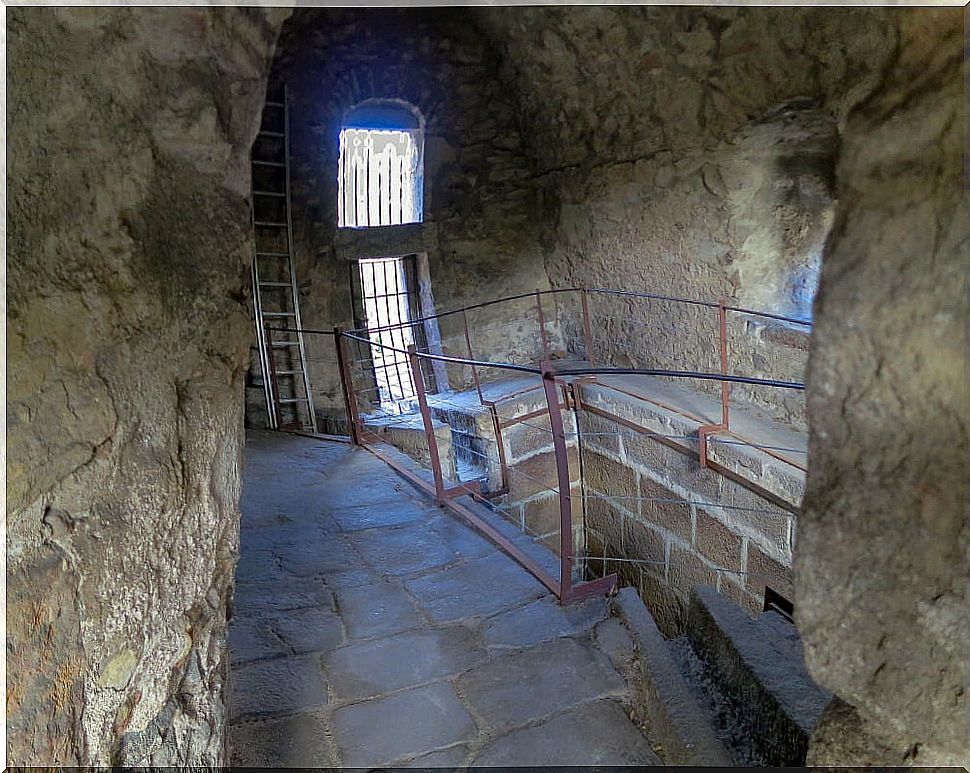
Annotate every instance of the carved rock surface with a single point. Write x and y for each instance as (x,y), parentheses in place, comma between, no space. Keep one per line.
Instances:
(883,558)
(128,245)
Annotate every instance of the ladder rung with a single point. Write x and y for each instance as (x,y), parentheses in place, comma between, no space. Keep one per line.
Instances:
(278,314)
(257,162)
(268,224)
(275,284)
(272,254)
(269,103)
(277,194)
(288,372)
(281,344)
(268,133)
(293,400)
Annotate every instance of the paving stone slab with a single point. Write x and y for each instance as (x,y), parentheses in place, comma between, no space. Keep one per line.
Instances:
(519,687)
(352,578)
(477,588)
(299,741)
(328,556)
(403,551)
(258,566)
(362,481)
(594,734)
(317,629)
(381,515)
(265,537)
(378,609)
(614,639)
(254,639)
(371,668)
(543,620)
(463,540)
(401,725)
(276,686)
(265,599)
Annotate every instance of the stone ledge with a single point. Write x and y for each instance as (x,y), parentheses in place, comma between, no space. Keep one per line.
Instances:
(355,243)
(760,667)
(674,718)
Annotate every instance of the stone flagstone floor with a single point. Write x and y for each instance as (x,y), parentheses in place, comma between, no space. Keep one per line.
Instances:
(372,629)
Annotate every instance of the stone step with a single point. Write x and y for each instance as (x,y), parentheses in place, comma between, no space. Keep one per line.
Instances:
(675,720)
(758,666)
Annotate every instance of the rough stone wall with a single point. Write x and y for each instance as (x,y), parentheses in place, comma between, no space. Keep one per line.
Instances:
(128,140)
(698,163)
(883,562)
(480,231)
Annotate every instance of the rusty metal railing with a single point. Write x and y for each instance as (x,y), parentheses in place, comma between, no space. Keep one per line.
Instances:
(552,379)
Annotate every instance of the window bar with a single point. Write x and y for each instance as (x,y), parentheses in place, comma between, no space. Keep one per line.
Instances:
(341,218)
(353,170)
(387,358)
(366,268)
(390,265)
(380,191)
(401,286)
(410,288)
(380,334)
(400,199)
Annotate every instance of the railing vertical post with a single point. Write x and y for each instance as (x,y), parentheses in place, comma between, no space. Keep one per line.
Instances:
(587,334)
(274,382)
(562,474)
(707,429)
(347,386)
(725,386)
(542,327)
(439,484)
(468,346)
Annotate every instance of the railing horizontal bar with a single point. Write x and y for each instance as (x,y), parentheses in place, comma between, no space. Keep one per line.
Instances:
(474,306)
(651,296)
(693,302)
(752,312)
(679,374)
(445,358)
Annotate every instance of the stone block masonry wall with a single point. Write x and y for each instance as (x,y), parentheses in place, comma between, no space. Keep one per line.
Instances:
(531,500)
(671,524)
(533,497)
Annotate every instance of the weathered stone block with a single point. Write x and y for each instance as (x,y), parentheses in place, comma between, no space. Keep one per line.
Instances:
(666,607)
(538,474)
(784,480)
(688,569)
(677,466)
(752,516)
(717,543)
(542,515)
(663,507)
(611,477)
(599,433)
(645,543)
(605,520)
(528,437)
(764,570)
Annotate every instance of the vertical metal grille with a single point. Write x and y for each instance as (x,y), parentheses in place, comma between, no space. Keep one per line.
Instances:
(389,299)
(378,178)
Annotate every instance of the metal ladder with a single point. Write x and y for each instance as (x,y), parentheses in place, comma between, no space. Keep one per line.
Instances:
(276,302)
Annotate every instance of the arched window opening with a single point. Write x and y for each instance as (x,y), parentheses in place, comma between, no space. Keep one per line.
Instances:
(380,177)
